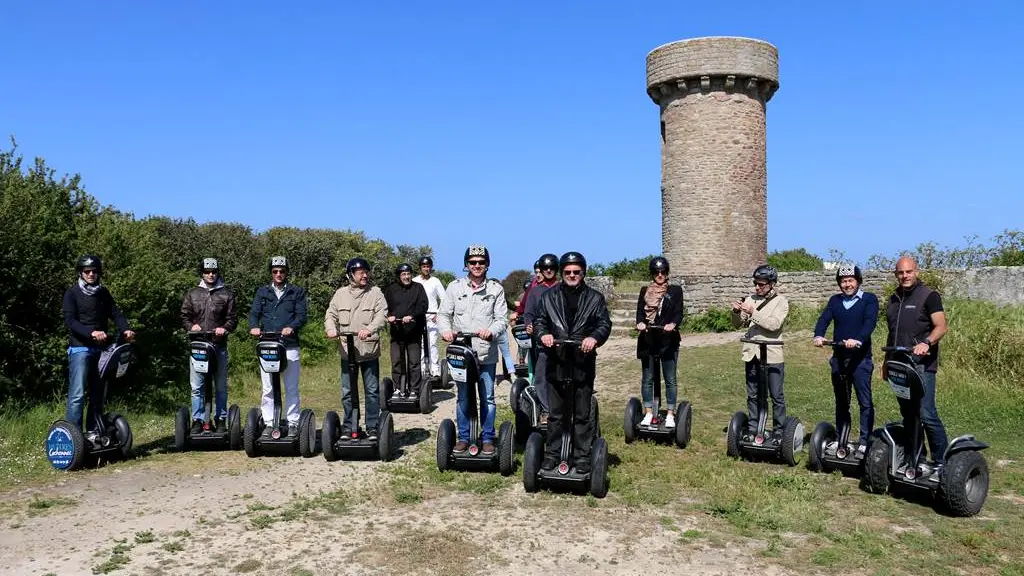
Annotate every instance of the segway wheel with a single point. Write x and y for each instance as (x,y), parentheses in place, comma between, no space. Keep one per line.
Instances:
(234,427)
(792,441)
(634,410)
(737,425)
(524,426)
(252,431)
(181,429)
(307,433)
(445,443)
(506,449)
(823,433)
(426,401)
(386,437)
(595,416)
(876,466)
(684,423)
(599,468)
(964,483)
(446,380)
(65,446)
(516,393)
(387,390)
(329,435)
(531,462)
(124,436)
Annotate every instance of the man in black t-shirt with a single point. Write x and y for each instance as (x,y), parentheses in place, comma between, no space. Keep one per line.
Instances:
(916,319)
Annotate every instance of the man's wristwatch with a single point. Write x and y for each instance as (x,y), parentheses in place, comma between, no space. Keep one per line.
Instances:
(928,341)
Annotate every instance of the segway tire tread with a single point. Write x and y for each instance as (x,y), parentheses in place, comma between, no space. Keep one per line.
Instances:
(790,444)
(307,433)
(506,449)
(876,466)
(252,430)
(599,468)
(531,462)
(963,468)
(684,424)
(631,419)
(329,435)
(386,436)
(235,440)
(181,429)
(445,443)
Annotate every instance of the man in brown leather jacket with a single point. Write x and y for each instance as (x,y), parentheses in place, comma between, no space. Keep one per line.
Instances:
(210,307)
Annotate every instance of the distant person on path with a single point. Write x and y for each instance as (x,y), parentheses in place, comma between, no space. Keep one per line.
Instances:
(855,313)
(435,293)
(407,314)
(548,266)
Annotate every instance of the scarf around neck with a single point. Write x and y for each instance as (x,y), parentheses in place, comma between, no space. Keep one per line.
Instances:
(216,285)
(652,300)
(89,289)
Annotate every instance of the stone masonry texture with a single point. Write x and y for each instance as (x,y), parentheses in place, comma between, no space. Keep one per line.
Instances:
(712,94)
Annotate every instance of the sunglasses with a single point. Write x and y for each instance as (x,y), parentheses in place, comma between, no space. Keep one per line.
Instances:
(476,263)
(90,272)
(760,284)
(659,273)
(572,272)
(209,271)
(276,272)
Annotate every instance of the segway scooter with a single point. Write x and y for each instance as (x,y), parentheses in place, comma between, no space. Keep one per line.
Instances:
(830,449)
(67,448)
(397,393)
(523,398)
(656,430)
(273,361)
(784,444)
(464,368)
(567,355)
(897,456)
(356,444)
(203,360)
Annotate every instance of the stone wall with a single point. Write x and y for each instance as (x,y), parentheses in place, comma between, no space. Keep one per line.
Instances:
(997,284)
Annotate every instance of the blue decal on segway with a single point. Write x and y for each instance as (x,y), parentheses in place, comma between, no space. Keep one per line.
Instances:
(60,450)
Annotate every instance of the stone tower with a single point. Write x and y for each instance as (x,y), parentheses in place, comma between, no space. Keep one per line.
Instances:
(712,93)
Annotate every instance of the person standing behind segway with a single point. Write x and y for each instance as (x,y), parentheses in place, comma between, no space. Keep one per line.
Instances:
(476,304)
(548,266)
(88,308)
(210,307)
(435,293)
(407,302)
(572,310)
(359,308)
(280,307)
(917,319)
(855,313)
(763,315)
(659,304)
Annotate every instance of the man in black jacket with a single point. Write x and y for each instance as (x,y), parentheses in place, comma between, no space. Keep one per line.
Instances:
(407,315)
(280,307)
(210,307)
(572,311)
(88,309)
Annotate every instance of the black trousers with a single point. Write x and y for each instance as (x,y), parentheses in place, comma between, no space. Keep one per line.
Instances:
(583,432)
(415,378)
(776,373)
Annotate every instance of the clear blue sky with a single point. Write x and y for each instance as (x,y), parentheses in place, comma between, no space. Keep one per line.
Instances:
(526,127)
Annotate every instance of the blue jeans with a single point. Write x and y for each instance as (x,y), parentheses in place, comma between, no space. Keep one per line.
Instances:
(860,375)
(485,397)
(83,370)
(370,371)
(506,353)
(933,428)
(220,378)
(668,371)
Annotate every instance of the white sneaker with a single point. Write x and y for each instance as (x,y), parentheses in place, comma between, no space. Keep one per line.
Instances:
(670,421)
(647,419)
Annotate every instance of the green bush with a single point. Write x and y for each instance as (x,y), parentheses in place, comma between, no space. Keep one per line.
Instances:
(625,269)
(713,320)
(794,260)
(513,285)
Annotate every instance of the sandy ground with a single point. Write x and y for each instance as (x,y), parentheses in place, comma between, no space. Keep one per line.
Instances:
(177,520)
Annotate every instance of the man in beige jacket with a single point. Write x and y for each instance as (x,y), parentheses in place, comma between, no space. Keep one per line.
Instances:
(763,315)
(359,308)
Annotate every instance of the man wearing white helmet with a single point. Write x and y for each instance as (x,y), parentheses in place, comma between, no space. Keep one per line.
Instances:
(435,294)
(280,307)
(210,307)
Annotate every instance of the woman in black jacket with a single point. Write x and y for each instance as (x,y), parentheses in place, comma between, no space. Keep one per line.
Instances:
(659,304)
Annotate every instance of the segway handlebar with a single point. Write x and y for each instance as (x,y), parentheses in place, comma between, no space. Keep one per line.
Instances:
(568,343)
(838,344)
(201,336)
(765,342)
(270,337)
(904,349)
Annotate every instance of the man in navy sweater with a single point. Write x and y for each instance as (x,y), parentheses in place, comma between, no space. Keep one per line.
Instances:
(855,313)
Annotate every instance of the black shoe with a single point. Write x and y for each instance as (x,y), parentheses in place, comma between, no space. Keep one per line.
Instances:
(583,466)
(293,430)
(268,432)
(222,426)
(346,434)
(371,433)
(197,427)
(549,463)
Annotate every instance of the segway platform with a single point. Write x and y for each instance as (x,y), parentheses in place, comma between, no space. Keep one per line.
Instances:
(273,360)
(356,444)
(398,395)
(830,448)
(657,431)
(203,360)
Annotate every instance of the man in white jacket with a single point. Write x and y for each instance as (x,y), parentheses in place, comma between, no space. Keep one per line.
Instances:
(435,295)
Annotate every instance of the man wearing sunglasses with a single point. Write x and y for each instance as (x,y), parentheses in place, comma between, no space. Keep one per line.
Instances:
(763,315)
(547,264)
(571,310)
(88,309)
(280,307)
(476,304)
(210,307)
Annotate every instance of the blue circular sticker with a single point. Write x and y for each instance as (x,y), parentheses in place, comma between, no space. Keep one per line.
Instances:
(60,449)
